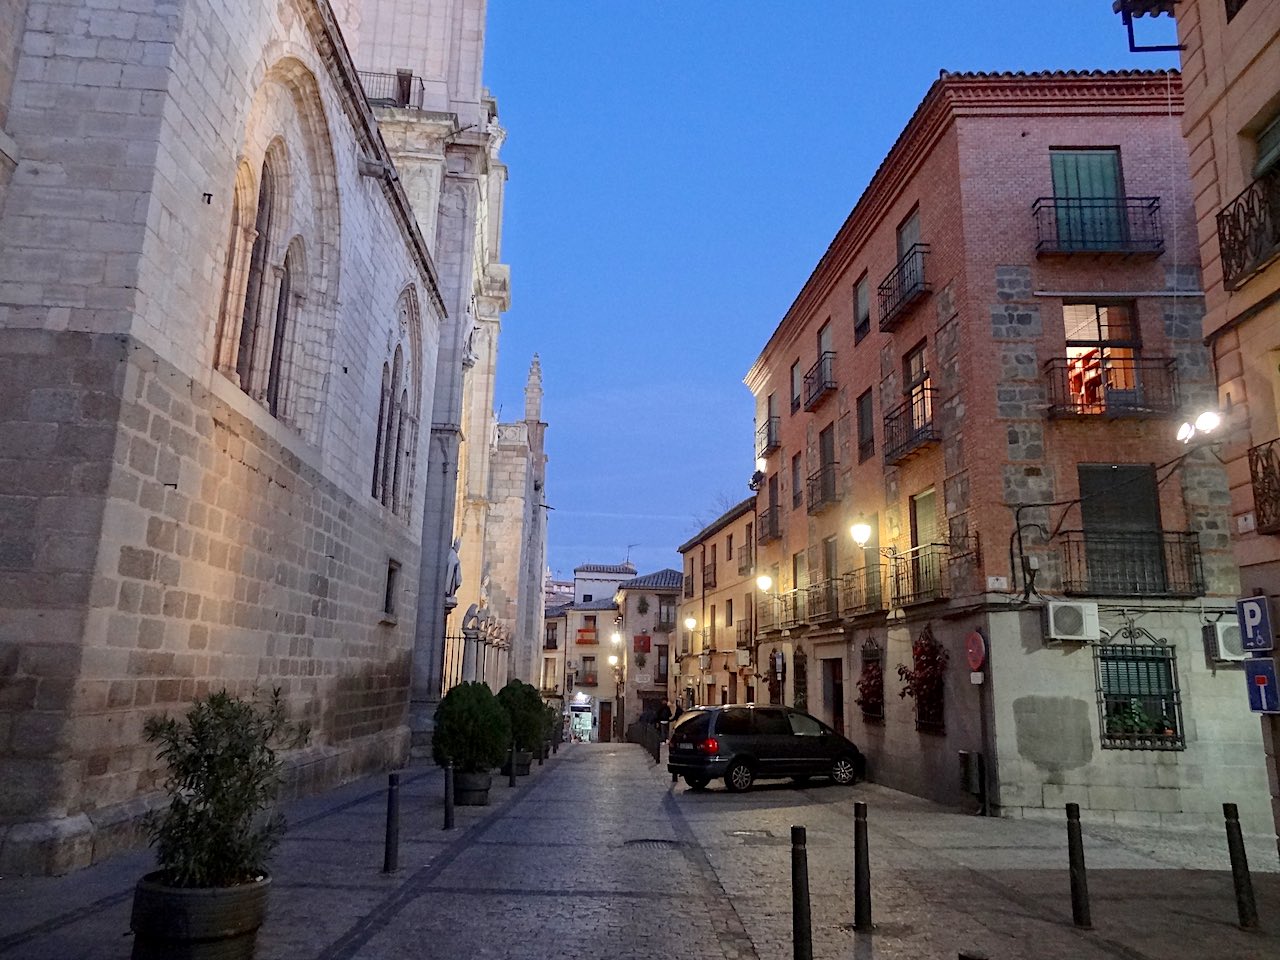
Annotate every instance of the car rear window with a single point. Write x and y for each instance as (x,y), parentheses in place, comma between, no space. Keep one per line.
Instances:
(733,722)
(693,725)
(772,723)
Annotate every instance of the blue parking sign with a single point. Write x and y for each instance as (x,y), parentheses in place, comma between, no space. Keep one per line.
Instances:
(1255,624)
(1264,692)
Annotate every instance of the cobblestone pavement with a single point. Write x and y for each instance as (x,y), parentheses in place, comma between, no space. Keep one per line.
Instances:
(597,855)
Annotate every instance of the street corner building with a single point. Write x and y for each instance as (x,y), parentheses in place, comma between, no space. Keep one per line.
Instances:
(219,328)
(990,560)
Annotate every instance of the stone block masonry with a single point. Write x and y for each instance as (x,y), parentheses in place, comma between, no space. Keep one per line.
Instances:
(158,545)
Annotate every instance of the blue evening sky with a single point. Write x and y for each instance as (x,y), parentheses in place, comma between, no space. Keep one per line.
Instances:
(677,167)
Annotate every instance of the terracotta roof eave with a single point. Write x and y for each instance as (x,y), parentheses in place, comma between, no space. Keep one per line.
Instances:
(733,513)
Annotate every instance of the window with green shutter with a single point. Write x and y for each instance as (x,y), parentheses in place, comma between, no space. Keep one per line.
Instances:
(1089,198)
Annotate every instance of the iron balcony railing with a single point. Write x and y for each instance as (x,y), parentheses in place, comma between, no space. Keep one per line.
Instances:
(589,680)
(709,577)
(401,89)
(767,613)
(664,626)
(550,643)
(905,284)
(1121,225)
(768,525)
(744,634)
(791,612)
(910,425)
(861,591)
(1249,230)
(1112,387)
(587,636)
(769,436)
(820,380)
(688,584)
(1132,563)
(822,488)
(824,601)
(746,559)
(919,575)
(1264,470)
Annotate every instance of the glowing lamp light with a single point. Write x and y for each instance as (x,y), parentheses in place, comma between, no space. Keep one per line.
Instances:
(860,531)
(1208,421)
(690,623)
(764,582)
(1186,432)
(616,638)
(613,660)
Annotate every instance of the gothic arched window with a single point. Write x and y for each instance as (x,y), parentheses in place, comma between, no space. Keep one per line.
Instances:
(251,317)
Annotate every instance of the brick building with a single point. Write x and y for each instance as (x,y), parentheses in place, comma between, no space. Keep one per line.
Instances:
(1231,71)
(981,380)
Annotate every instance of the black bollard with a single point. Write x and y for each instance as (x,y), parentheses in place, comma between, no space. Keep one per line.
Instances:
(1246,907)
(542,753)
(391,852)
(801,928)
(1079,881)
(448,796)
(861,870)
(511,770)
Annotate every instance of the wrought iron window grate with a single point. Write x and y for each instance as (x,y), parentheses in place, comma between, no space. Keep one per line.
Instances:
(1139,705)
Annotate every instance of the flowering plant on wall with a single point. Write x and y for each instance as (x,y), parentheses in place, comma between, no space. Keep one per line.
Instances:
(925,680)
(871,690)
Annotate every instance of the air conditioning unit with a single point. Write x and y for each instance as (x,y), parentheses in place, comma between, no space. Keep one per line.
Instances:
(1222,640)
(1072,620)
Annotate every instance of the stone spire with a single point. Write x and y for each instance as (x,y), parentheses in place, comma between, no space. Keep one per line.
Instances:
(533,391)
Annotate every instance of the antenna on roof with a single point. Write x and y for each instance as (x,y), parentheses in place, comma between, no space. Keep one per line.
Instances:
(629,546)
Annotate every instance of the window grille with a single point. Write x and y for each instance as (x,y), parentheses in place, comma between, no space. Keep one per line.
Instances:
(1139,706)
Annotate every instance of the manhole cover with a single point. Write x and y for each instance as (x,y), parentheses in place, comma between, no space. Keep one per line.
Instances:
(646,844)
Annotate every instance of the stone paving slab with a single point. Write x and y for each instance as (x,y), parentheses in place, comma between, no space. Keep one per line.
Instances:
(597,855)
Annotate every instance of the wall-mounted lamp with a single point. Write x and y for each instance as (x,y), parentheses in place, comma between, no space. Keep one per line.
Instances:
(690,623)
(1206,423)
(860,531)
(616,638)
(764,582)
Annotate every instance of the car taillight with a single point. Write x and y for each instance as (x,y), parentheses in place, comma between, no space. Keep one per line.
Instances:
(709,745)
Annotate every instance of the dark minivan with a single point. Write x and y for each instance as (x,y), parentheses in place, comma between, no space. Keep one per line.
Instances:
(745,743)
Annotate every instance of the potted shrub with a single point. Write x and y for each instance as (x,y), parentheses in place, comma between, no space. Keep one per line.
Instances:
(523,705)
(208,896)
(472,732)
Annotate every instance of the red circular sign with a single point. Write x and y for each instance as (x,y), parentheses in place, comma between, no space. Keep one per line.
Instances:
(975,647)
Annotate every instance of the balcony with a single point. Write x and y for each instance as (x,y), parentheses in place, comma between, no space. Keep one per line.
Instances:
(587,637)
(746,560)
(1123,226)
(688,584)
(1131,564)
(551,643)
(824,601)
(769,436)
(589,680)
(822,488)
(1249,230)
(1264,470)
(1111,387)
(709,577)
(664,626)
(791,608)
(904,285)
(861,592)
(745,635)
(767,614)
(400,89)
(768,527)
(909,426)
(919,575)
(820,381)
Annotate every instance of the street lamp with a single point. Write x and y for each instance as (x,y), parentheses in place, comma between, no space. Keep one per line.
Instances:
(860,531)
(1205,423)
(617,696)
(764,582)
(616,638)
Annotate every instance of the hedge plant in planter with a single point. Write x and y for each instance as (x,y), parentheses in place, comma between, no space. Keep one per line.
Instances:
(524,708)
(209,896)
(472,732)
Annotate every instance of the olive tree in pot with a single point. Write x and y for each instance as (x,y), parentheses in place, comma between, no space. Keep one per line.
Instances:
(471,732)
(209,896)
(523,705)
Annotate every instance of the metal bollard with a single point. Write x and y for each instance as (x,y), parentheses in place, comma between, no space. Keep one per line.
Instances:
(542,753)
(801,928)
(391,851)
(1079,881)
(511,769)
(1246,907)
(861,870)
(448,796)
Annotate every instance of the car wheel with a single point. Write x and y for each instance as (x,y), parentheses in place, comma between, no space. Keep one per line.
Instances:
(697,783)
(844,770)
(739,776)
